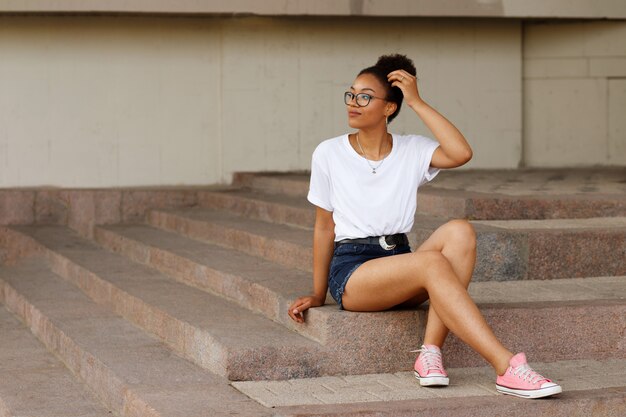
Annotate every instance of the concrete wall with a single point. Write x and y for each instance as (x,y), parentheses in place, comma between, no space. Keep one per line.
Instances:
(597,9)
(574,94)
(112,101)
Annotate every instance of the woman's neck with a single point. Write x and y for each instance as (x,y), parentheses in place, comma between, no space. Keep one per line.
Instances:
(375,142)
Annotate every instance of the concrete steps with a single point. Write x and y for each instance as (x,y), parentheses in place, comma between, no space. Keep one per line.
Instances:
(533,306)
(283,209)
(493,194)
(165,317)
(209,322)
(507,250)
(204,328)
(133,373)
(288,245)
(34,382)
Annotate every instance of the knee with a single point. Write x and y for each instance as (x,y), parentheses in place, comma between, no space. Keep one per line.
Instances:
(462,233)
(433,263)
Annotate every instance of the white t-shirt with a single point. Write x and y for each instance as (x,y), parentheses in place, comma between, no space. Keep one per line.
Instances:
(366,204)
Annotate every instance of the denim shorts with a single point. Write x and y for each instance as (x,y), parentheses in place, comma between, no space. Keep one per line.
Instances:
(348,257)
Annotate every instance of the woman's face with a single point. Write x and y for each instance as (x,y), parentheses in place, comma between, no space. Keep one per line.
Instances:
(378,108)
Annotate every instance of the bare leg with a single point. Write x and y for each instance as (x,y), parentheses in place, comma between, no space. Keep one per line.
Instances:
(456,240)
(382,283)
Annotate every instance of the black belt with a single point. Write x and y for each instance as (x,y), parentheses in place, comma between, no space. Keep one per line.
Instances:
(386,242)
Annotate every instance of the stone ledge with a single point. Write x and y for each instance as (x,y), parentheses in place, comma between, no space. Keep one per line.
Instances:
(81,209)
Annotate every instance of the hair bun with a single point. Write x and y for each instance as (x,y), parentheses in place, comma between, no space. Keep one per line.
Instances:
(392,62)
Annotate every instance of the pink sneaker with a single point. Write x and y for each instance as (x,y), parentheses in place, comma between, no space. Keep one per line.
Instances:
(429,367)
(522,381)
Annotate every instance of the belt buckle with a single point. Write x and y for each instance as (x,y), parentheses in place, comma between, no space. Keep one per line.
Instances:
(383,243)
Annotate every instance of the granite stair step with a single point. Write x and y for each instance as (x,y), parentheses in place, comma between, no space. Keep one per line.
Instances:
(288,183)
(132,373)
(533,315)
(34,382)
(269,288)
(287,245)
(275,208)
(205,328)
(506,250)
(492,194)
(281,243)
(547,249)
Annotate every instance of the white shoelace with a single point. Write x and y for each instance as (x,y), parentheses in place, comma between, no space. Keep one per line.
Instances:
(526,373)
(432,359)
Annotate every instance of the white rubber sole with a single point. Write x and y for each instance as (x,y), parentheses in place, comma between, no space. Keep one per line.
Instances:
(432,381)
(536,393)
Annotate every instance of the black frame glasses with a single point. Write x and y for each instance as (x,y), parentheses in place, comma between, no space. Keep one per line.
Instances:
(361,99)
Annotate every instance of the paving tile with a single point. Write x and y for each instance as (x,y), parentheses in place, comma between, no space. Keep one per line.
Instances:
(464,383)
(346,397)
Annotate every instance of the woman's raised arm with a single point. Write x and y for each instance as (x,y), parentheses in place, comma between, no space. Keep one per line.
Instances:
(453,149)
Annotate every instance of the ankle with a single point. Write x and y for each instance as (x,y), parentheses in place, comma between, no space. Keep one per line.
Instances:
(433,341)
(501,363)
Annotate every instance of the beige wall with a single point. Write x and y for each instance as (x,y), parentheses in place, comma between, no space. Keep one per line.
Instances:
(106,101)
(574,94)
(612,9)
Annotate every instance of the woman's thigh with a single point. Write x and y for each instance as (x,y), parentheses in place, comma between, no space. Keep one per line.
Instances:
(452,231)
(383,283)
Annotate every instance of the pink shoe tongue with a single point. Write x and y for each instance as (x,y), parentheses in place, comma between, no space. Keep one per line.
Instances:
(517,360)
(520,360)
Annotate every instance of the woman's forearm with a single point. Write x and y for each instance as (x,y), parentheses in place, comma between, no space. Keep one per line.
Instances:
(323,247)
(450,139)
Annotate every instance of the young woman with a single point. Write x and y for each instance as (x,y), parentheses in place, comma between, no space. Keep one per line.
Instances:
(364,185)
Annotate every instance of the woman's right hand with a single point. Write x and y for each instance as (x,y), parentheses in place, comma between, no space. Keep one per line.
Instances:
(302,304)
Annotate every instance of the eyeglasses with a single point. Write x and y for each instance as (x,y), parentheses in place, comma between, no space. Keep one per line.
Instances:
(362,99)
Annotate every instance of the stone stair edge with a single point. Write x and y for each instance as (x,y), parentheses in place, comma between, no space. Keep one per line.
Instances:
(330,314)
(103,369)
(119,230)
(23,362)
(481,225)
(241,290)
(245,179)
(459,203)
(505,247)
(280,301)
(181,333)
(381,321)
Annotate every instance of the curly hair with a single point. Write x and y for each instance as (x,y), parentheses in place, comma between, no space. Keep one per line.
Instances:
(385,65)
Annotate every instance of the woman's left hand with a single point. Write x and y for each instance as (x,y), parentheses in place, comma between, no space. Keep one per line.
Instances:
(408,84)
